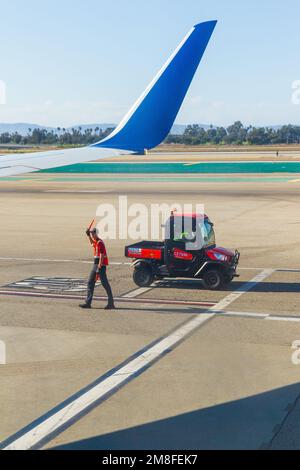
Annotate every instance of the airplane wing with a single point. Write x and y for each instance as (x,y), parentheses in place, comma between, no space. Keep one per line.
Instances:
(146,124)
(17,164)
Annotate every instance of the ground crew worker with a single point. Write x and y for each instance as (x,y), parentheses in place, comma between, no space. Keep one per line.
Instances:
(99,269)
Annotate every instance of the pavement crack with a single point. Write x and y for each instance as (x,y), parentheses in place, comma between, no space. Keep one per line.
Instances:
(278,428)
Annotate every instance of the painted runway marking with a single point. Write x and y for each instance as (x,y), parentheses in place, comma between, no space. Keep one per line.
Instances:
(192,163)
(120,263)
(137,292)
(244,288)
(277,318)
(260,316)
(244,314)
(97,298)
(46,427)
(60,284)
(288,270)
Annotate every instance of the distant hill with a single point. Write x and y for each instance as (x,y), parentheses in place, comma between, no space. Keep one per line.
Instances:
(178,129)
(22,127)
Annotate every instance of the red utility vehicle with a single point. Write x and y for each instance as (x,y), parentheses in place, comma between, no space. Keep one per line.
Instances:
(189,251)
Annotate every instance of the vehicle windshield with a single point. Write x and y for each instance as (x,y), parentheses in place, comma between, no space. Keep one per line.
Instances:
(207,232)
(189,229)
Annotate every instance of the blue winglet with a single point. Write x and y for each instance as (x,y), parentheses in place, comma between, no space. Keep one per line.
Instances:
(150,119)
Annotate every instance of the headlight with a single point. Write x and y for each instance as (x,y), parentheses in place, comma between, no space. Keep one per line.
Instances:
(220,257)
(217,256)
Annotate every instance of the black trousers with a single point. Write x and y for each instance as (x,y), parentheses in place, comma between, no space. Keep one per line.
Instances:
(104,282)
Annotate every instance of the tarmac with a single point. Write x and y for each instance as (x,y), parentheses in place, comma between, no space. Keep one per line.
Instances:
(174,366)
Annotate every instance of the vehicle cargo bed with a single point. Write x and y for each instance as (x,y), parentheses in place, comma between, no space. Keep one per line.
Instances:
(145,250)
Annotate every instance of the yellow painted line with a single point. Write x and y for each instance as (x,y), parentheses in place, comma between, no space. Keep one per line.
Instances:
(193,163)
(294,181)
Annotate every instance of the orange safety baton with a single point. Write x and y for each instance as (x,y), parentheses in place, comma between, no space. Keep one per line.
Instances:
(92,223)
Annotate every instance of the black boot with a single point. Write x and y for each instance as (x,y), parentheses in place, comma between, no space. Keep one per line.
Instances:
(85,305)
(110,306)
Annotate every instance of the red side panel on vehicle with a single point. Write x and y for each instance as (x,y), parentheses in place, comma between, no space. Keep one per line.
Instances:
(144,253)
(184,255)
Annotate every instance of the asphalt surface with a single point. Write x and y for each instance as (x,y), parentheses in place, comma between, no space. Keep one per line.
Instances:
(225,381)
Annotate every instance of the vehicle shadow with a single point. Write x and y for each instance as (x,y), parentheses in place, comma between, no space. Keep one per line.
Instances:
(195,284)
(246,423)
(281,287)
(293,287)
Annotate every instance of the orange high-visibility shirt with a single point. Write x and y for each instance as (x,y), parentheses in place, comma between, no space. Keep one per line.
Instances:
(99,248)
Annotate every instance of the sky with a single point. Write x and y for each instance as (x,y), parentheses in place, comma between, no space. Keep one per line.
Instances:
(66,62)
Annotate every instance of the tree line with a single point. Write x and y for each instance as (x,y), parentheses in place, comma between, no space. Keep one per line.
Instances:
(236,134)
(61,136)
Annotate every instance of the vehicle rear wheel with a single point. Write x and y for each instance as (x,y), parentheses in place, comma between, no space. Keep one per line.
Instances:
(143,276)
(213,279)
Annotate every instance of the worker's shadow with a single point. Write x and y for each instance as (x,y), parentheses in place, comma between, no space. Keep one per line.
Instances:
(188,310)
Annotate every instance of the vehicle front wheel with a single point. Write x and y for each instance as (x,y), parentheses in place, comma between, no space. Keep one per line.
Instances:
(143,276)
(228,279)
(213,279)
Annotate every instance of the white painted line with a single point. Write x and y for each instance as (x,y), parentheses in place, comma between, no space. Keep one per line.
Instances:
(22,284)
(141,300)
(120,263)
(244,288)
(67,414)
(137,292)
(251,269)
(244,314)
(292,270)
(261,316)
(275,318)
